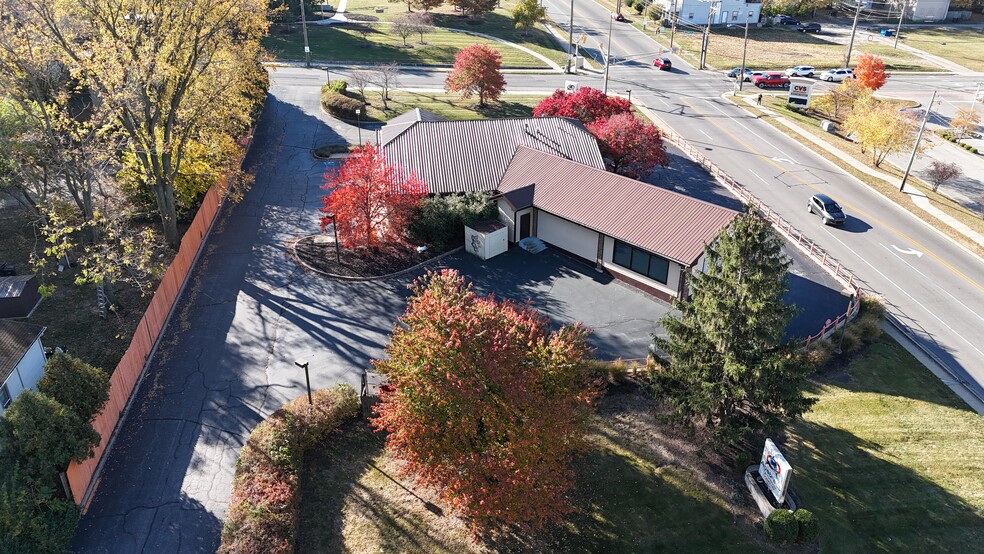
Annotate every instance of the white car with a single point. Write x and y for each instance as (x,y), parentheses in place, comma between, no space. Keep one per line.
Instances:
(837,75)
(800,71)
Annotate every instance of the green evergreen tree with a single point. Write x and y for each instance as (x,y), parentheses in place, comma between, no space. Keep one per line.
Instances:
(729,368)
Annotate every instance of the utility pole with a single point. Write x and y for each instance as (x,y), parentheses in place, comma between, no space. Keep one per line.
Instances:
(915,147)
(854,29)
(673,14)
(608,53)
(707,35)
(307,48)
(973,103)
(898,30)
(744,52)
(570,40)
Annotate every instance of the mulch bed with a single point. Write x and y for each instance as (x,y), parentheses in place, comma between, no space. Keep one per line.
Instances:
(358,263)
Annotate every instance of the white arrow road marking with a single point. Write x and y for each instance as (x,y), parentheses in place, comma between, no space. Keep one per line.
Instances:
(910,251)
(787,160)
(940,289)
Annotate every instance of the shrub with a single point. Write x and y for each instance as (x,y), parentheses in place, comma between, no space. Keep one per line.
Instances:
(809,527)
(324,152)
(441,219)
(781,526)
(639,7)
(77,385)
(744,459)
(263,508)
(819,353)
(629,3)
(338,85)
(339,105)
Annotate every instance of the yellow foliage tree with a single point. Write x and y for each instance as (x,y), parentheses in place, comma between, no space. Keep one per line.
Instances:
(966,121)
(880,128)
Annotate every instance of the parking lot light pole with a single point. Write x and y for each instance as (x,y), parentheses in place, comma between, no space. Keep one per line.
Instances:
(334,231)
(915,147)
(629,91)
(358,115)
(570,40)
(301,362)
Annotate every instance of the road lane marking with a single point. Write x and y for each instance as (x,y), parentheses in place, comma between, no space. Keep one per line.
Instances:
(757,175)
(872,218)
(709,137)
(743,126)
(908,251)
(930,279)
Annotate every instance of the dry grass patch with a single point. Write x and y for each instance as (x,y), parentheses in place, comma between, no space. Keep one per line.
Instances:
(962,46)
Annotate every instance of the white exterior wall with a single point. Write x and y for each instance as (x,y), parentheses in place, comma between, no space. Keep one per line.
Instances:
(27,373)
(930,10)
(506,218)
(724,15)
(672,285)
(570,236)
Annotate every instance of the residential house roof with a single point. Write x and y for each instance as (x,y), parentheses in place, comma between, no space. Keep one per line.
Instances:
(13,286)
(664,222)
(472,155)
(16,339)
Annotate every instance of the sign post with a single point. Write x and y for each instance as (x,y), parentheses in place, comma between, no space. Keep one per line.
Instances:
(775,471)
(800,90)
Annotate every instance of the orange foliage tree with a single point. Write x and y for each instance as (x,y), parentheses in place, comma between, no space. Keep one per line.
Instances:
(371,200)
(477,70)
(484,403)
(870,72)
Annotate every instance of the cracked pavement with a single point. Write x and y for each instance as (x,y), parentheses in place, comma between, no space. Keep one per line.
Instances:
(226,359)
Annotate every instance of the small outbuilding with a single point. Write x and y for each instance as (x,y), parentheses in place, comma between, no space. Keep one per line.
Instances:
(486,239)
(21,359)
(18,296)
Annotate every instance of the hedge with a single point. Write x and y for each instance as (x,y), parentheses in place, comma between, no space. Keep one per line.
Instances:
(263,509)
(781,526)
(339,105)
(441,219)
(809,527)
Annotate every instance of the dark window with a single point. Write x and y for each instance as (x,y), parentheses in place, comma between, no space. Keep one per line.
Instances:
(642,262)
(4,396)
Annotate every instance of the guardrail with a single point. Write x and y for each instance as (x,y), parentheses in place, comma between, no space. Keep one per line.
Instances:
(795,236)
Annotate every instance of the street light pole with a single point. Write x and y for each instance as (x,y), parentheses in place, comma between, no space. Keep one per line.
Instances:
(915,147)
(608,52)
(973,103)
(854,29)
(307,48)
(334,231)
(630,95)
(744,52)
(328,74)
(358,115)
(301,362)
(570,39)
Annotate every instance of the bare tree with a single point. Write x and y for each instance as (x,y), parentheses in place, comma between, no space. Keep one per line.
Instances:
(941,172)
(360,79)
(387,76)
(423,23)
(404,28)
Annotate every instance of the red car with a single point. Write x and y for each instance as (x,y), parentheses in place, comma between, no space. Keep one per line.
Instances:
(663,63)
(618,17)
(771,80)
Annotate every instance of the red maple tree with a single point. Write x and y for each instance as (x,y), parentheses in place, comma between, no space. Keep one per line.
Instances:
(477,70)
(587,104)
(628,145)
(870,72)
(371,200)
(484,403)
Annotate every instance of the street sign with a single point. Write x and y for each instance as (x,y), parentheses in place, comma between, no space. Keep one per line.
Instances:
(775,471)
(307,49)
(571,87)
(800,91)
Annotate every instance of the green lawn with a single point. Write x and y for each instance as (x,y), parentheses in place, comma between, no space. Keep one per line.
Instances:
(342,44)
(890,459)
(962,46)
(773,48)
(450,106)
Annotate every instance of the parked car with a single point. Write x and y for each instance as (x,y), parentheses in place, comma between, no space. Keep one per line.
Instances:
(836,75)
(829,211)
(663,63)
(618,17)
(733,73)
(809,28)
(751,76)
(786,20)
(800,71)
(771,80)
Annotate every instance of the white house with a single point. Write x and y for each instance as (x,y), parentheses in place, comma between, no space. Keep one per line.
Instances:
(21,359)
(915,10)
(697,12)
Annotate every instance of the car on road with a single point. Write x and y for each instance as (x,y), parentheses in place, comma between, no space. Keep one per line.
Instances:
(809,28)
(829,211)
(771,80)
(618,17)
(663,63)
(800,71)
(733,73)
(836,75)
(786,20)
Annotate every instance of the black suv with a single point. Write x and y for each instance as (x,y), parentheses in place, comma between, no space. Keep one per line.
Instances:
(786,20)
(809,28)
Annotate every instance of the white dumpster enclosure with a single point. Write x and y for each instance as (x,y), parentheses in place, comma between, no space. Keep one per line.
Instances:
(486,239)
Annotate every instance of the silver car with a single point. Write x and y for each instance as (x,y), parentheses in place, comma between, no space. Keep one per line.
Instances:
(800,71)
(829,211)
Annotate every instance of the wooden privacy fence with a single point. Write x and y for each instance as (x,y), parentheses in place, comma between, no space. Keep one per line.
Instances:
(82,477)
(813,250)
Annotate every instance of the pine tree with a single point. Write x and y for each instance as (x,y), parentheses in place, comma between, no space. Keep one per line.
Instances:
(730,369)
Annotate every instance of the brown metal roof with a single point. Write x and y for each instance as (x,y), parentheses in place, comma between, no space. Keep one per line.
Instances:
(15,340)
(403,121)
(472,155)
(655,219)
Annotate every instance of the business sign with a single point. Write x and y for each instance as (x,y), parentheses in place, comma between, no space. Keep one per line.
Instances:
(775,471)
(799,91)
(571,87)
